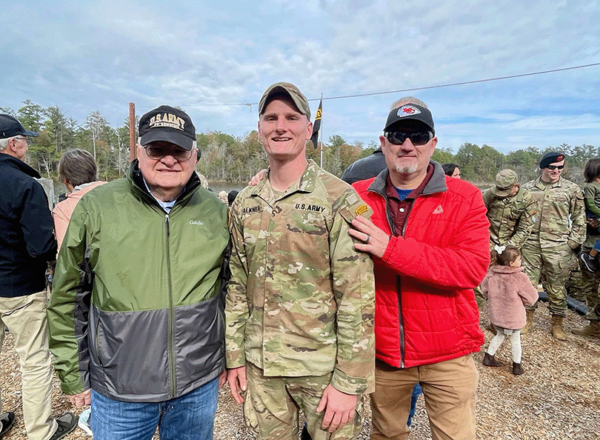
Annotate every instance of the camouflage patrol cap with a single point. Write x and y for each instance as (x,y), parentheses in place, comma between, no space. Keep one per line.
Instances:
(284,88)
(505,180)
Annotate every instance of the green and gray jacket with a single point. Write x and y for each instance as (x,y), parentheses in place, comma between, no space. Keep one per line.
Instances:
(137,306)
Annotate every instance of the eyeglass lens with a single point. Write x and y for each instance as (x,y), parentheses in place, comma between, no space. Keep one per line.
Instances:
(416,137)
(155,152)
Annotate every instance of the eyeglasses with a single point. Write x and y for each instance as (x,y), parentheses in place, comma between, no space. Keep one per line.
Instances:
(416,137)
(555,167)
(23,138)
(158,152)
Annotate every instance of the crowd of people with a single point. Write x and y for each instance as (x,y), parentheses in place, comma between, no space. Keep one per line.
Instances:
(303,292)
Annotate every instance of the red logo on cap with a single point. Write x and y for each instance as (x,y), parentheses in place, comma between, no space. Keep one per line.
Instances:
(559,158)
(408,110)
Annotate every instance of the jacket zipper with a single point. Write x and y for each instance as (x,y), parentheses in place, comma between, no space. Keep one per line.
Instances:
(171,329)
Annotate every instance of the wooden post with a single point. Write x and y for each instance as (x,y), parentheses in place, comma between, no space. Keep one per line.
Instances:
(132,139)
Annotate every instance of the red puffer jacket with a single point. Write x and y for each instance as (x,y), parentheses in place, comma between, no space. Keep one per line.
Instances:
(425,306)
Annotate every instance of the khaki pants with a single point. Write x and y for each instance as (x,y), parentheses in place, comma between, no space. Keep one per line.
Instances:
(25,317)
(449,389)
(272,404)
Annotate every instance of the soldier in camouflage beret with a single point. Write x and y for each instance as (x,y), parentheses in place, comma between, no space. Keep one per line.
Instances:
(300,304)
(558,231)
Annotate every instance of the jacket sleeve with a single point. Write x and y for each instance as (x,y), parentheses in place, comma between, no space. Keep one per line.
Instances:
(527,291)
(237,311)
(69,308)
(36,223)
(462,264)
(526,222)
(589,194)
(577,234)
(354,291)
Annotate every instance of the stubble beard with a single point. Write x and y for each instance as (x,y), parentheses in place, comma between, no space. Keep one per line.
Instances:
(406,169)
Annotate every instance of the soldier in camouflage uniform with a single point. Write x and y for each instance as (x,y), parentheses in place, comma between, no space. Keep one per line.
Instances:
(557,233)
(511,213)
(300,304)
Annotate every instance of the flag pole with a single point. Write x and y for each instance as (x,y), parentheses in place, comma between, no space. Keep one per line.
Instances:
(321,135)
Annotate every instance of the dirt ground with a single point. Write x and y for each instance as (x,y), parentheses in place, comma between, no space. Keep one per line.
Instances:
(558,397)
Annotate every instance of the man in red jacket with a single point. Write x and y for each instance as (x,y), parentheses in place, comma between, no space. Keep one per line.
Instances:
(429,239)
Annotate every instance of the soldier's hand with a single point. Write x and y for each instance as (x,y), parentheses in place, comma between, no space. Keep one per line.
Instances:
(339,408)
(236,378)
(257,177)
(81,399)
(374,240)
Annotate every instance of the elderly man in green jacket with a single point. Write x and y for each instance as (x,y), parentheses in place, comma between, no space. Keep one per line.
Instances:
(137,309)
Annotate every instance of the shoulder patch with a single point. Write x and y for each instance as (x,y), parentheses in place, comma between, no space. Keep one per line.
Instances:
(361,210)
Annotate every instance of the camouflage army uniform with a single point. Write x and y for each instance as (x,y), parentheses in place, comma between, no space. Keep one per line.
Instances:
(301,299)
(590,281)
(511,218)
(549,249)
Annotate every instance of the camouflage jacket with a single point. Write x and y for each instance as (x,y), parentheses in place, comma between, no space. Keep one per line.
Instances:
(511,218)
(560,214)
(301,299)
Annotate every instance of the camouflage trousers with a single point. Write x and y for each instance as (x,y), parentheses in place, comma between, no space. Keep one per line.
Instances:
(272,404)
(590,286)
(554,266)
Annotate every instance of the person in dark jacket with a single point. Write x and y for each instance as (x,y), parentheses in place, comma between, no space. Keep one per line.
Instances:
(27,244)
(137,306)
(429,239)
(365,168)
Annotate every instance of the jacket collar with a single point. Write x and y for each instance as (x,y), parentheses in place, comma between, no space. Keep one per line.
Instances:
(436,184)
(13,162)
(136,181)
(505,269)
(306,184)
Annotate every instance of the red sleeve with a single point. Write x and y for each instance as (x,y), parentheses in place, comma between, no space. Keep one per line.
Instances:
(462,264)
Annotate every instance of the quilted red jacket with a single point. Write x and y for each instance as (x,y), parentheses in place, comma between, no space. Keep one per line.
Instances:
(425,306)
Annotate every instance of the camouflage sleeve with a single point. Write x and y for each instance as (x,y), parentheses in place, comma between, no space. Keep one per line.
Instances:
(487,198)
(354,290)
(526,222)
(589,193)
(236,304)
(577,234)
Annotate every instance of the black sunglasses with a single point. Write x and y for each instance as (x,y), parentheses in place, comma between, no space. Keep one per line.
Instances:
(555,167)
(416,137)
(158,152)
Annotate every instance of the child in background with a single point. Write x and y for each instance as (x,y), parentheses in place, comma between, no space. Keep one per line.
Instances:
(507,290)
(591,194)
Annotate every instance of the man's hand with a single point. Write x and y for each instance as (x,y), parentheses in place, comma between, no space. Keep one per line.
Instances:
(257,177)
(236,377)
(81,399)
(593,222)
(340,408)
(374,240)
(222,378)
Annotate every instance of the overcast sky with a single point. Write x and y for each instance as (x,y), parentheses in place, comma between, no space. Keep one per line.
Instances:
(210,57)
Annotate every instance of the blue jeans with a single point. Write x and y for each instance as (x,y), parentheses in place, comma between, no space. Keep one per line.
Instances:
(417,391)
(189,417)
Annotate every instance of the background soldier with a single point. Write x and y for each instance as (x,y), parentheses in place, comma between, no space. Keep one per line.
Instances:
(558,231)
(511,213)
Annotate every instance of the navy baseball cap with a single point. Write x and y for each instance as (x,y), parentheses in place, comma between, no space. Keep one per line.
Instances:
(11,127)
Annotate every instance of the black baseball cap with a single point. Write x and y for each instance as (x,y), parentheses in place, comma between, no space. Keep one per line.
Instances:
(409,112)
(10,127)
(167,124)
